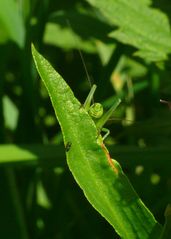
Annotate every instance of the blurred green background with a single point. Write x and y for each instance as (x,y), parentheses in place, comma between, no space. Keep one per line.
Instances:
(38,195)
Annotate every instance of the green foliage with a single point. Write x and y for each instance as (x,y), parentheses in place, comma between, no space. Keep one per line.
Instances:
(126,47)
(107,188)
(11,22)
(139,25)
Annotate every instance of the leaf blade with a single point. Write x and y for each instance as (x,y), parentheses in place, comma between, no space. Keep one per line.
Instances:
(109,192)
(138,26)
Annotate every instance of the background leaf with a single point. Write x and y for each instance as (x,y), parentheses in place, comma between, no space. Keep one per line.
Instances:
(138,27)
(11,22)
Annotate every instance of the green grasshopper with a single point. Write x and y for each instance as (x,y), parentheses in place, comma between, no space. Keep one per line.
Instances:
(96,112)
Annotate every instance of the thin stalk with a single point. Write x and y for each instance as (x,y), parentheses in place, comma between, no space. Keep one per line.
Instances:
(17,203)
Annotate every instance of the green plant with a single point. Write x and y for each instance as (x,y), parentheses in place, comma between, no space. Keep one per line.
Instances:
(126,46)
(104,184)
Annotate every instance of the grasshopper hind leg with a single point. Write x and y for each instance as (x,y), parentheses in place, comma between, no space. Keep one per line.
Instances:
(106,131)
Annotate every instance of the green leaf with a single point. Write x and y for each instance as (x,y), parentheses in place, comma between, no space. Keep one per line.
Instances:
(65,38)
(104,184)
(75,29)
(11,23)
(31,154)
(140,26)
(10,113)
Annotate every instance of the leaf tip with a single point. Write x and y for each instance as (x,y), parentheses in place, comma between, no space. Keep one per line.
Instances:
(33,49)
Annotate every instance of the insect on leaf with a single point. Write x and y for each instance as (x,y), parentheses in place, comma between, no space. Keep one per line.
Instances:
(106,187)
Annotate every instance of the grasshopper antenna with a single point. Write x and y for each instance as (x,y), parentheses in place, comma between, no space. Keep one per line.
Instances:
(82,60)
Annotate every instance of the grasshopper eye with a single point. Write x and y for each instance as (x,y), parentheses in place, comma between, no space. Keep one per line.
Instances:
(96,110)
